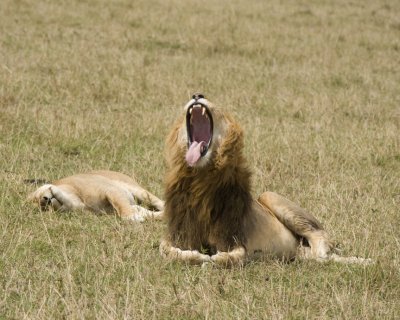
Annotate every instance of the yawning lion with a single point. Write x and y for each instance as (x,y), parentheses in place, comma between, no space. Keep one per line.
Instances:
(210,213)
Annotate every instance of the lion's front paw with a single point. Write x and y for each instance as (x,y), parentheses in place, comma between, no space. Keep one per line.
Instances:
(190,256)
(230,258)
(220,258)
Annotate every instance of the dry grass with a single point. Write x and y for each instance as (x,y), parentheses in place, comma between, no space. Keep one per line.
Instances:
(97,84)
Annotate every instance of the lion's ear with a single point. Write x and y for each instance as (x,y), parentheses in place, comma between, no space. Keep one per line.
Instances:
(230,149)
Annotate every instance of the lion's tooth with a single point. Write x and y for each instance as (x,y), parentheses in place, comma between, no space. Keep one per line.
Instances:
(203,111)
(190,110)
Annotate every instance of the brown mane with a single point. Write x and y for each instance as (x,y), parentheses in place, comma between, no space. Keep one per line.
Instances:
(207,207)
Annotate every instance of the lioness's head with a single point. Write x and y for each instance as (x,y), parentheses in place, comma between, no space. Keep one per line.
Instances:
(44,198)
(200,133)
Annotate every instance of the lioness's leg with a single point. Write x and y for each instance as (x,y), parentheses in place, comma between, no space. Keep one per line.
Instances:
(167,250)
(299,222)
(144,196)
(68,201)
(122,203)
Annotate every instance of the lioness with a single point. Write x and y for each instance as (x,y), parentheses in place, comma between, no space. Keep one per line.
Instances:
(210,213)
(98,191)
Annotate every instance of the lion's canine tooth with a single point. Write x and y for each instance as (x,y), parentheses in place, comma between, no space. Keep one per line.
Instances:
(190,110)
(203,111)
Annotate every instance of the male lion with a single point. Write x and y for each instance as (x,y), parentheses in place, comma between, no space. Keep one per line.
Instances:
(98,191)
(210,213)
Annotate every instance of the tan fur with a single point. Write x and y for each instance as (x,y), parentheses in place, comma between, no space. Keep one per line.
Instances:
(99,191)
(211,216)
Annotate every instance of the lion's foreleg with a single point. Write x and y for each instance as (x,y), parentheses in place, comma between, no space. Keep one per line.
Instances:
(299,222)
(189,256)
(234,257)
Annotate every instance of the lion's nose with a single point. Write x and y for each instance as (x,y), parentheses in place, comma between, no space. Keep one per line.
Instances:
(198,96)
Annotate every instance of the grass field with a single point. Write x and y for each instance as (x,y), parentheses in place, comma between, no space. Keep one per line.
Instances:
(97,84)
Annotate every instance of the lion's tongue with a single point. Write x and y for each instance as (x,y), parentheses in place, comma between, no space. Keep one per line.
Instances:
(194,153)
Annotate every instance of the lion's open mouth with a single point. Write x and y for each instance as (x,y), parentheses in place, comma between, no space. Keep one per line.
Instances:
(199,126)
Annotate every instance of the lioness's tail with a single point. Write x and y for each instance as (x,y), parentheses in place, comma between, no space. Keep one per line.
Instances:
(36,181)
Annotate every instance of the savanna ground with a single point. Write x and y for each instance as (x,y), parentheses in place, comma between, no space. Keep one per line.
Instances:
(97,85)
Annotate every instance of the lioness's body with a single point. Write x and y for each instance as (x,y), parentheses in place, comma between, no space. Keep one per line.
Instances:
(210,213)
(98,191)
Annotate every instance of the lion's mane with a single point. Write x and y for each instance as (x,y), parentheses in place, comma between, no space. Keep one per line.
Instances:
(207,208)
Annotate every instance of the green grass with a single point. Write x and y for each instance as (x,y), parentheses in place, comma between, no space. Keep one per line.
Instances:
(97,85)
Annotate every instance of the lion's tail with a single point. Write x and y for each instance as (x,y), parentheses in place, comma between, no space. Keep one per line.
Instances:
(349,260)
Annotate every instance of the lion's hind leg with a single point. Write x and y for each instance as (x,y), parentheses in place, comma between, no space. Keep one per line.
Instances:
(300,222)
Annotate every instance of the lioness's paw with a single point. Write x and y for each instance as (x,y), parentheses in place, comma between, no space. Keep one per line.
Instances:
(158,215)
(44,196)
(135,218)
(141,214)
